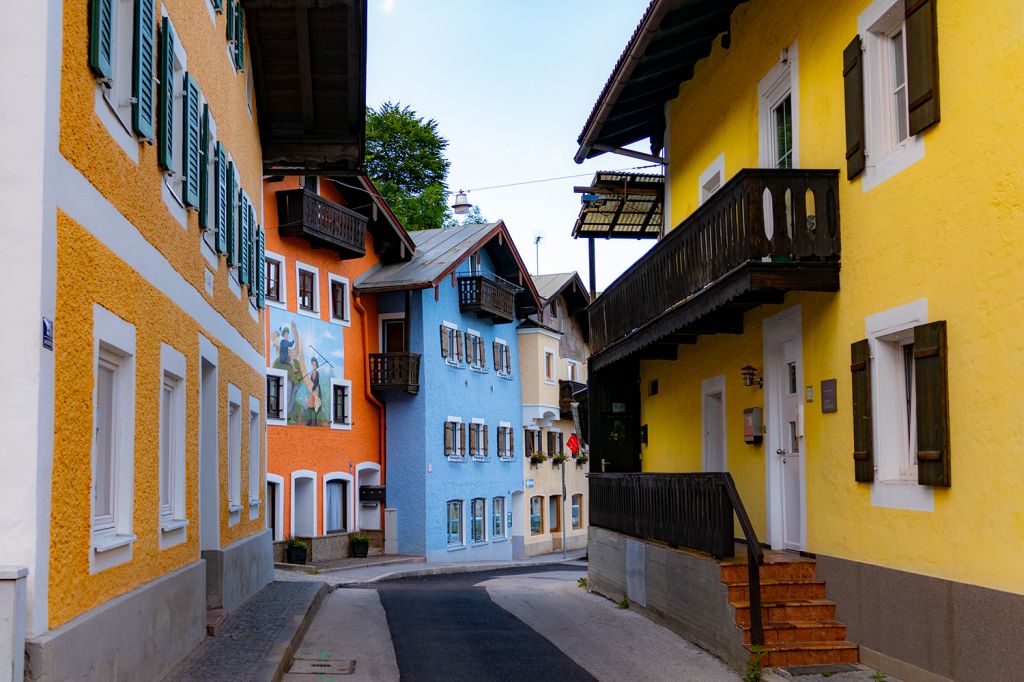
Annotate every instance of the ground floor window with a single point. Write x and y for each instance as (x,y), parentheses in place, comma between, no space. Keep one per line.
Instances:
(476,514)
(536,515)
(577,510)
(555,504)
(334,503)
(498,517)
(455,522)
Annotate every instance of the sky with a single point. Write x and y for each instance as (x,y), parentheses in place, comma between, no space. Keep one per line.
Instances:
(510,84)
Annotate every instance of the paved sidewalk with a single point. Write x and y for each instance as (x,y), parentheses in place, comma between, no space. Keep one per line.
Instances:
(255,640)
(373,574)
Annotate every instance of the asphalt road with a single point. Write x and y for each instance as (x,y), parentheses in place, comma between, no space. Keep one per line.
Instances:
(444,628)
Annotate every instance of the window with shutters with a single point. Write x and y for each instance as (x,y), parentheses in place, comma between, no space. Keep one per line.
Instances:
(479,448)
(275,280)
(502,358)
(474,351)
(506,442)
(477,520)
(208,183)
(307,295)
(339,299)
(175,175)
(113,33)
(455,439)
(454,523)
(172,447)
(341,404)
(556,442)
(451,344)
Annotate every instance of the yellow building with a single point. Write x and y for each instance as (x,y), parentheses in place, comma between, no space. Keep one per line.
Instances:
(552,361)
(132,484)
(853,393)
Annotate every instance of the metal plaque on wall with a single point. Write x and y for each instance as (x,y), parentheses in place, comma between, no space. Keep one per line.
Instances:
(828,396)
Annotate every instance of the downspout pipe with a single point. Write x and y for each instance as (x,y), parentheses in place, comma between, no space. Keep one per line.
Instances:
(371,397)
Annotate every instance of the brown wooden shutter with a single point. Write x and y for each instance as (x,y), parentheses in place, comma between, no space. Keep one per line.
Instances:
(863,455)
(922,64)
(501,441)
(528,441)
(511,451)
(449,438)
(932,393)
(561,443)
(487,445)
(474,439)
(458,346)
(508,360)
(446,351)
(497,355)
(853,86)
(481,353)
(462,439)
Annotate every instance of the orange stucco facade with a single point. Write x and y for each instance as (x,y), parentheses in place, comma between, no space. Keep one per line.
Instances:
(310,456)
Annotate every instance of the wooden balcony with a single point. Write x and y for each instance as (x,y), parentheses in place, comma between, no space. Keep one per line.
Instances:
(304,213)
(765,232)
(395,372)
(566,389)
(487,297)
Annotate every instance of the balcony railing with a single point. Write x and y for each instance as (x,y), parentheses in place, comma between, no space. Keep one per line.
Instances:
(566,389)
(304,213)
(682,510)
(487,297)
(777,220)
(395,372)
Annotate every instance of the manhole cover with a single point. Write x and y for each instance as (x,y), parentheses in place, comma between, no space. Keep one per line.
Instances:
(324,667)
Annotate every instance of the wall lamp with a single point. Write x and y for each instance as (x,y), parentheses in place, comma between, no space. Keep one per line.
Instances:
(751,377)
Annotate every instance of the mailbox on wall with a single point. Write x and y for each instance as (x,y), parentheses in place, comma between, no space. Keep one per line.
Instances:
(371,493)
(752,428)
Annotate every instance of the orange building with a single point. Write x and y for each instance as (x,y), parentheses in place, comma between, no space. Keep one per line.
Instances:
(325,429)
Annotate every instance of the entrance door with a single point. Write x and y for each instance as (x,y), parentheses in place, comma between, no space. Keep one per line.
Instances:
(785,451)
(209,519)
(393,335)
(713,422)
(272,509)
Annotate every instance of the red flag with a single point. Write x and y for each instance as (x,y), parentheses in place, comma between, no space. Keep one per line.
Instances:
(573,444)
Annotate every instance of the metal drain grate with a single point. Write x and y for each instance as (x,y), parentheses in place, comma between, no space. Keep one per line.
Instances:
(322,666)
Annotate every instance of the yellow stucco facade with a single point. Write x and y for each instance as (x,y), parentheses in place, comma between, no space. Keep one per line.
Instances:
(944,229)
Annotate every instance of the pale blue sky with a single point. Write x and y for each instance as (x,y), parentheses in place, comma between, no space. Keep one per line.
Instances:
(510,83)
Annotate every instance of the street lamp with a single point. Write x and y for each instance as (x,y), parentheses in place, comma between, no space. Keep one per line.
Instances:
(461,205)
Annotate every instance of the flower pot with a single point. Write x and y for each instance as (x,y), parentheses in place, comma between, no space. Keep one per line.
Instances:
(360,548)
(295,555)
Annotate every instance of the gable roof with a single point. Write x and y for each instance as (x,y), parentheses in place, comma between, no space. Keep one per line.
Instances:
(567,283)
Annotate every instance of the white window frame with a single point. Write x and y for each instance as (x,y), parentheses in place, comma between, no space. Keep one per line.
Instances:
(234,417)
(508,454)
(478,364)
(711,179)
(255,457)
(346,426)
(172,512)
(780,81)
(460,446)
(113,96)
(315,312)
(884,157)
(345,321)
(350,522)
(572,370)
(173,192)
(282,287)
(885,331)
(112,538)
(278,521)
(479,456)
(209,236)
(282,419)
(498,533)
(503,372)
(381,319)
(553,376)
(483,521)
(453,356)
(579,508)
(461,544)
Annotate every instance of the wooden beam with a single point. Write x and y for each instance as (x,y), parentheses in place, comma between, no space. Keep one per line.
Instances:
(660,351)
(305,68)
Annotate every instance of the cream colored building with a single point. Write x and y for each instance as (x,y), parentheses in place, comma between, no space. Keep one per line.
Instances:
(553,365)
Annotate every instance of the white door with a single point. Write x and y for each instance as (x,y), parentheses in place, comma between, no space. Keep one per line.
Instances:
(713,424)
(788,450)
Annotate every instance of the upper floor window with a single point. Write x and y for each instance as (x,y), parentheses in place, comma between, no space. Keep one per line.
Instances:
(506,441)
(451,343)
(475,356)
(782,118)
(478,445)
(556,443)
(574,370)
(339,299)
(307,295)
(502,358)
(549,366)
(275,384)
(275,279)
(341,403)
(454,438)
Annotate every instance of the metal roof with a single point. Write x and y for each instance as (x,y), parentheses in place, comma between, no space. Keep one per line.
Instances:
(565,284)
(670,39)
(621,205)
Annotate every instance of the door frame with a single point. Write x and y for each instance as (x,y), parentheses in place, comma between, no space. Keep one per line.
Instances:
(380,327)
(710,387)
(209,449)
(778,329)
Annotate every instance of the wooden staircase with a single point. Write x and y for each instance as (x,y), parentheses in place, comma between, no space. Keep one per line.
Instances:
(799,624)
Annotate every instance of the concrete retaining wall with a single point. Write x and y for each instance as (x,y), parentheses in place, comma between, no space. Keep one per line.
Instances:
(237,572)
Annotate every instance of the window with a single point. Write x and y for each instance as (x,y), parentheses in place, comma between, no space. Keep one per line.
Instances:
(117,90)
(339,299)
(234,453)
(506,443)
(894,364)
(549,366)
(277,394)
(392,333)
(176,172)
(536,515)
(574,370)
(455,523)
(341,403)
(475,351)
(782,118)
(555,443)
(335,503)
(778,113)
(113,439)
(172,440)
(274,397)
(533,442)
(275,279)
(577,511)
(308,296)
(652,387)
(555,509)
(477,529)
(502,358)
(898,84)
(255,424)
(498,518)
(454,438)
(451,344)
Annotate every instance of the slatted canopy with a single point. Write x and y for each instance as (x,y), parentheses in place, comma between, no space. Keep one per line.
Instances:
(309,74)
(670,39)
(621,205)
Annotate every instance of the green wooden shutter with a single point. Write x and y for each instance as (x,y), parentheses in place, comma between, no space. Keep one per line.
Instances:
(239,38)
(243,238)
(932,392)
(101,37)
(230,213)
(221,179)
(922,64)
(218,5)
(165,124)
(143,65)
(204,170)
(253,249)
(191,134)
(261,269)
(853,87)
(863,451)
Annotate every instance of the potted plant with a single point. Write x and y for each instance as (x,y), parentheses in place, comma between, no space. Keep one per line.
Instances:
(295,551)
(581,460)
(558,459)
(537,458)
(360,545)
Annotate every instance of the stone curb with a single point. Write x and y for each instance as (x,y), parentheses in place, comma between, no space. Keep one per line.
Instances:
(280,656)
(447,569)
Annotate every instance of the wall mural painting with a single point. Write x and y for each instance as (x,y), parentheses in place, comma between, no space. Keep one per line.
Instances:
(311,351)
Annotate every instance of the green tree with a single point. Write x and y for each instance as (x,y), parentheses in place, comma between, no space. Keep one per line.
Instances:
(474,217)
(405,158)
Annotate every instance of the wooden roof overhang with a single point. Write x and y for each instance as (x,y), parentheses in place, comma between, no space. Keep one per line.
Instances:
(670,39)
(309,75)
(622,206)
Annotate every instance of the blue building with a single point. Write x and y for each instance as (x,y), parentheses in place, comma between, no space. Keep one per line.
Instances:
(447,368)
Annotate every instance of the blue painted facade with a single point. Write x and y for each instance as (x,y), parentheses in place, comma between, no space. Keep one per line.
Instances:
(421,479)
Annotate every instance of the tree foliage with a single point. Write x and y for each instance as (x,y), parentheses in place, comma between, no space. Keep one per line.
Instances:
(474,217)
(405,157)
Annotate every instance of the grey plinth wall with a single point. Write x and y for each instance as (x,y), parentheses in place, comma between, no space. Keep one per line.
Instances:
(237,572)
(13,586)
(681,590)
(140,635)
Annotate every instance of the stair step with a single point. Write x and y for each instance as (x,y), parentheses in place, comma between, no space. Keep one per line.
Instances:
(787,611)
(808,653)
(798,588)
(789,632)
(783,570)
